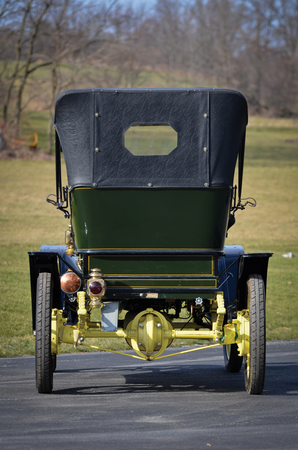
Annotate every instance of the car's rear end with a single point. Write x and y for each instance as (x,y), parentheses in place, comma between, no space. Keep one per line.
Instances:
(150,194)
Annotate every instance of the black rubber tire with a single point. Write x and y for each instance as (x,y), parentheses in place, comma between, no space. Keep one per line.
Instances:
(233,361)
(255,361)
(43,356)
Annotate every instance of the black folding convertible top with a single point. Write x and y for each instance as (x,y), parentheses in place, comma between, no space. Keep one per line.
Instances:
(210,124)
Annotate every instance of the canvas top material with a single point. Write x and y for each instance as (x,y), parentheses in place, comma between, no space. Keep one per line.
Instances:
(210,126)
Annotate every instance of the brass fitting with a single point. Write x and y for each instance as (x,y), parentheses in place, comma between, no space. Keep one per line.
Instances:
(96,288)
(69,240)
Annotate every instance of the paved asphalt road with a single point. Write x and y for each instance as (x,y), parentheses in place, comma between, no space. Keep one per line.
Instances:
(106,401)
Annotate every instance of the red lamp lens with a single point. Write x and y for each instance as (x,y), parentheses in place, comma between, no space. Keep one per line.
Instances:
(95,287)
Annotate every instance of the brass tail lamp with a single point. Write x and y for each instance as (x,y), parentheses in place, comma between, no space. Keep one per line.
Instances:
(71,283)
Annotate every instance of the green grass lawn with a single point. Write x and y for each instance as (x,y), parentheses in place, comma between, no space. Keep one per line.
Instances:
(271,177)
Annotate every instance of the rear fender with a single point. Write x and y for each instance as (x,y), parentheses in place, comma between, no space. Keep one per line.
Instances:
(47,260)
(249,264)
(234,269)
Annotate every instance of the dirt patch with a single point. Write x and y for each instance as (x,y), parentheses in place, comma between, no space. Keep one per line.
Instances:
(24,148)
(291,140)
(25,154)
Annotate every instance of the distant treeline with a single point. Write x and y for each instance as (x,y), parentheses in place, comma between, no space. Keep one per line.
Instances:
(248,45)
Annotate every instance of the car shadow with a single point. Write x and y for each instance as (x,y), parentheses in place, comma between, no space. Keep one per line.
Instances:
(280,380)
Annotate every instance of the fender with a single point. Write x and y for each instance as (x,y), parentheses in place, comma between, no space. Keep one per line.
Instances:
(249,264)
(48,259)
(236,266)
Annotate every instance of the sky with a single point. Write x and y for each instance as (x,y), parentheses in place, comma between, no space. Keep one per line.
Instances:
(147,3)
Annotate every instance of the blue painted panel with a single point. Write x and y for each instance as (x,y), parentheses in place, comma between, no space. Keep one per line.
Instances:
(61,250)
(227,282)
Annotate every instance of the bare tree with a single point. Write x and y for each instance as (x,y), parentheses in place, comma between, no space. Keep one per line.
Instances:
(78,35)
(284,81)
(18,52)
(37,13)
(6,33)
(124,59)
(250,45)
(171,38)
(257,35)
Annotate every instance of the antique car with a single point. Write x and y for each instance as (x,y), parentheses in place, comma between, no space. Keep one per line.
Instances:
(149,198)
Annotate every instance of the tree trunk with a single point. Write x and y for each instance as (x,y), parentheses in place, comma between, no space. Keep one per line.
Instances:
(16,71)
